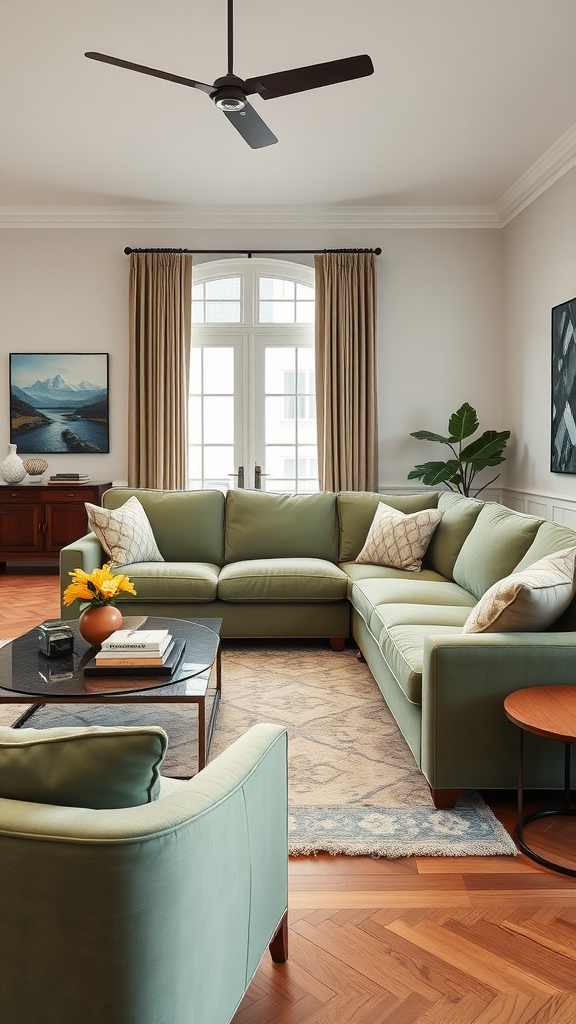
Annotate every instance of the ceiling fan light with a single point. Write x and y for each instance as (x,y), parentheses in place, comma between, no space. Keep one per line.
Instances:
(230,98)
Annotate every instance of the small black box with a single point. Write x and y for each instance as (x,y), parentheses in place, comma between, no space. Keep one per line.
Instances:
(55,638)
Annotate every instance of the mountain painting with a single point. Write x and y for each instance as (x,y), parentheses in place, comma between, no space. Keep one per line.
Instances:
(59,402)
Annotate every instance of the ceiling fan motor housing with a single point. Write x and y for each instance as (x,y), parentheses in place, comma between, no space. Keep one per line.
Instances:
(229,94)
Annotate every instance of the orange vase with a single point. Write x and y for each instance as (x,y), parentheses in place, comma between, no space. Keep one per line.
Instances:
(98,622)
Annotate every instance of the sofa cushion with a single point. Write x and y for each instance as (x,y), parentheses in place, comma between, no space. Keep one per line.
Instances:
(398,539)
(188,525)
(367,595)
(355,571)
(125,533)
(460,514)
(529,600)
(95,767)
(550,537)
(403,651)
(390,615)
(282,579)
(172,581)
(495,544)
(265,525)
(356,511)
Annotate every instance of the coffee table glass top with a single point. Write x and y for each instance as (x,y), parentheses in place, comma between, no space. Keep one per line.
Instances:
(23,670)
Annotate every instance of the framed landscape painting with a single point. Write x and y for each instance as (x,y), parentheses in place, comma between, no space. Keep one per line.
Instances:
(563,437)
(59,402)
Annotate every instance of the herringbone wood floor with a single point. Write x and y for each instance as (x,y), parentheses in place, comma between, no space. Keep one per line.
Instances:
(416,941)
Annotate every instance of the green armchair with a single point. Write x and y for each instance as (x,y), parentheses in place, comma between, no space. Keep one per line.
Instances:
(154,914)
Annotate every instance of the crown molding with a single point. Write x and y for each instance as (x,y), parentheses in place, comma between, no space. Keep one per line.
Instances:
(552,165)
(248,217)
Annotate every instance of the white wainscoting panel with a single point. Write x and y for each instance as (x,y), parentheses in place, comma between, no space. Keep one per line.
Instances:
(544,506)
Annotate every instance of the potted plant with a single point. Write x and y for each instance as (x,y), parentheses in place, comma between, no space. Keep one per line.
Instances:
(459,472)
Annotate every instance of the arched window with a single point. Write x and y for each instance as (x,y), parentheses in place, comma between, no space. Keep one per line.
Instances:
(252,388)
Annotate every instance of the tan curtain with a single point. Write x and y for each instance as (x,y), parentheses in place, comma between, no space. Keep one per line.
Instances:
(160,324)
(346,371)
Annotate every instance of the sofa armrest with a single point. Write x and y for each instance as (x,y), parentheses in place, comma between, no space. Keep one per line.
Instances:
(85,553)
(467,740)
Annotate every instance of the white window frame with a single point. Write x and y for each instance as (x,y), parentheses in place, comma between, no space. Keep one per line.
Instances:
(249,337)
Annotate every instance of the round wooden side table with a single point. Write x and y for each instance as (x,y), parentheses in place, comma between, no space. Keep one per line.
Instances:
(548,711)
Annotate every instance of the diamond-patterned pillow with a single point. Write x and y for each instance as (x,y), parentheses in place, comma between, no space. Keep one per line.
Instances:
(398,540)
(124,533)
(530,600)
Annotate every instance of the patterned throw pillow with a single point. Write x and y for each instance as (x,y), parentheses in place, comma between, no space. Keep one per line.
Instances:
(529,600)
(124,533)
(398,540)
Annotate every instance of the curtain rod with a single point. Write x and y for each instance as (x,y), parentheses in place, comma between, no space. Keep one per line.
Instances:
(250,252)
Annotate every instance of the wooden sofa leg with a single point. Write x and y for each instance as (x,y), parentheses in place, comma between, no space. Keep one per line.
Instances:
(279,945)
(444,798)
(337,642)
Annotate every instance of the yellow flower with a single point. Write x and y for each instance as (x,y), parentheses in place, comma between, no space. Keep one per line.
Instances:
(97,587)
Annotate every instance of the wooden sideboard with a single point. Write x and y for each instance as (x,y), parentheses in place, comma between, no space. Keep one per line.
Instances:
(36,520)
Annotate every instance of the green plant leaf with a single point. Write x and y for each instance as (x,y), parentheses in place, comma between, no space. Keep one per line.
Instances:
(463,422)
(432,473)
(480,464)
(491,443)
(427,435)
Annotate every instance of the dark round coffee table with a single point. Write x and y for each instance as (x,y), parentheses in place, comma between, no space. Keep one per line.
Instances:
(548,711)
(29,677)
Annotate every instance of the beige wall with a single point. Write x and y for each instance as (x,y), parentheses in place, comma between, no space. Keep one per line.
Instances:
(539,273)
(439,321)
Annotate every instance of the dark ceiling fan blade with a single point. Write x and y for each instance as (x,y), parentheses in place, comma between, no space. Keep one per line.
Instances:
(251,127)
(283,83)
(151,71)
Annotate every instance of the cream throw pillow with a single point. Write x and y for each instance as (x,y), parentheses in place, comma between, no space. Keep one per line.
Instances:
(398,540)
(124,533)
(529,600)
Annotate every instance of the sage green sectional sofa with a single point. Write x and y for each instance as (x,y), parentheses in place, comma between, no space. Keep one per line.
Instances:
(273,565)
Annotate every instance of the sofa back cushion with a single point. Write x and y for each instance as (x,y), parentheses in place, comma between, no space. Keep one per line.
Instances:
(356,512)
(95,766)
(188,526)
(494,546)
(265,525)
(460,514)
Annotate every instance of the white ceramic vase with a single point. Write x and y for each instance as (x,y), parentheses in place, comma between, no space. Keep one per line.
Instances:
(12,469)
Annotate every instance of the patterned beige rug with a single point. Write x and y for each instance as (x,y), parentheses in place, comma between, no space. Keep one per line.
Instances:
(353,782)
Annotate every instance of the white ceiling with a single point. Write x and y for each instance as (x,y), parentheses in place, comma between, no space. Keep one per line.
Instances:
(466,96)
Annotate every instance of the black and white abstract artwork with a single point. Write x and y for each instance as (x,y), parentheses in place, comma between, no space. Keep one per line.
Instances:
(563,437)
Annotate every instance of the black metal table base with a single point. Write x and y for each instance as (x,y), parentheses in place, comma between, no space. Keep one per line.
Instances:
(26,715)
(566,811)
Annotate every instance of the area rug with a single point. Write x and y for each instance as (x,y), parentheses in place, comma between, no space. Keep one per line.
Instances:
(354,787)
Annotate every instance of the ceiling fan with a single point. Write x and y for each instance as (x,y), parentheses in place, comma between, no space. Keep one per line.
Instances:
(229,92)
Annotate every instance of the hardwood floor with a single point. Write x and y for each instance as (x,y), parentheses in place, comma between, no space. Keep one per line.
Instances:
(472,940)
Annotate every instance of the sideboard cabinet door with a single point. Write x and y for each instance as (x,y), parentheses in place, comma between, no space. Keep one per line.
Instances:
(21,531)
(37,520)
(65,522)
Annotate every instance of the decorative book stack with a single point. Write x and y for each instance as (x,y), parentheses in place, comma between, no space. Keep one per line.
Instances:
(69,478)
(137,652)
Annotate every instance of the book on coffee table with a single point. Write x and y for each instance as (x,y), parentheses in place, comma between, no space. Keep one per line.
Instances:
(112,659)
(139,666)
(134,641)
